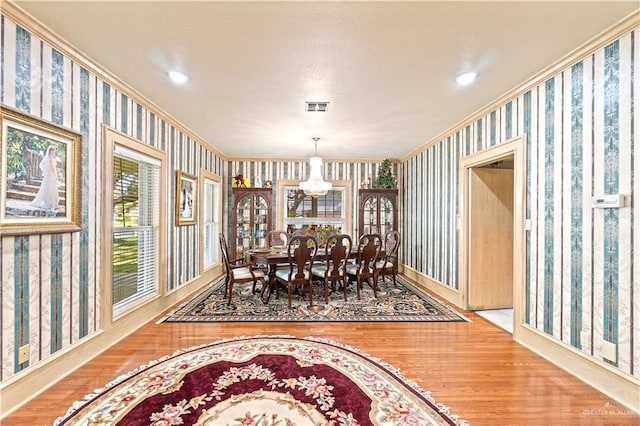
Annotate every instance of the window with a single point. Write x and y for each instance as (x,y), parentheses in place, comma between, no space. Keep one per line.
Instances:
(211,220)
(327,214)
(135,227)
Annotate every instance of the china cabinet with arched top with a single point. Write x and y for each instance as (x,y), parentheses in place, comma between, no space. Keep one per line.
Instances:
(378,211)
(251,219)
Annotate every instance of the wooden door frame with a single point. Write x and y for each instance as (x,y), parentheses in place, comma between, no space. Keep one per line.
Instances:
(516,148)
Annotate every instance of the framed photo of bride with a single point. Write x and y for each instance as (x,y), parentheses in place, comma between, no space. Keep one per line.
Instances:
(40,175)
(186,198)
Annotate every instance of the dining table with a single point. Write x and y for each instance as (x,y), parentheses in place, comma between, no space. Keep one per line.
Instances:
(272,257)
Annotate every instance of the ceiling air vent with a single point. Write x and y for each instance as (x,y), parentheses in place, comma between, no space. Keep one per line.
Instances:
(316,106)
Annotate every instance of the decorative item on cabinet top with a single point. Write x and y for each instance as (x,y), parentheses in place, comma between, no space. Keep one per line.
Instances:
(385,179)
(239,181)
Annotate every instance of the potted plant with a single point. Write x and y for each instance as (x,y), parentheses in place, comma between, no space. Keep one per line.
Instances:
(385,179)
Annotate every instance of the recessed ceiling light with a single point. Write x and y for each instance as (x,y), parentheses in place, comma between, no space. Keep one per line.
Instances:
(466,78)
(178,77)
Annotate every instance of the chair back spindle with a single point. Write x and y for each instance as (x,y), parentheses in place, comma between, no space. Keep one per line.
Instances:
(331,267)
(388,263)
(364,269)
(301,252)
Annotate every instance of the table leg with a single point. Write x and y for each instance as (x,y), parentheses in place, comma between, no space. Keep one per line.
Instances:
(271,285)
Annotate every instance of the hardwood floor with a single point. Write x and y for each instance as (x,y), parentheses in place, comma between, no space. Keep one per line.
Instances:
(475,368)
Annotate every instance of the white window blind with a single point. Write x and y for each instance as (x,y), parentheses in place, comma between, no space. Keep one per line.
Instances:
(211,222)
(136,219)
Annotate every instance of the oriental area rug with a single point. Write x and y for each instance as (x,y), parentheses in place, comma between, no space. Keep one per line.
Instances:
(401,302)
(262,381)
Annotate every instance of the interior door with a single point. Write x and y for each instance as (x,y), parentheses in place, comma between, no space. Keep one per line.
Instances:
(491,238)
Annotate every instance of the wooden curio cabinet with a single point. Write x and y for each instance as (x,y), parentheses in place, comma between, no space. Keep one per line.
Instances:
(378,212)
(251,219)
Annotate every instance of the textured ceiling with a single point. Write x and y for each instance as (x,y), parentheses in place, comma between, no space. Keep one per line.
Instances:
(387,68)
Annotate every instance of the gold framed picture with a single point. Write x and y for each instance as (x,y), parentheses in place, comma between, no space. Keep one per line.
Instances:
(40,175)
(186,198)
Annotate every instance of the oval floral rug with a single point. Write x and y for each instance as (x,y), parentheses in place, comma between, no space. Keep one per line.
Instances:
(262,381)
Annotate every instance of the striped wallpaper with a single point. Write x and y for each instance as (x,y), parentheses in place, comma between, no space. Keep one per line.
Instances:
(583,273)
(581,125)
(356,172)
(52,299)
(49,295)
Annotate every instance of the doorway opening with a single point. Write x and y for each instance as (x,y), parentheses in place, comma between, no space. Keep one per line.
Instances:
(493,223)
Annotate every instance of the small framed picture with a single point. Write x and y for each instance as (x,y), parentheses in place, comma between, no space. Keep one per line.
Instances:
(40,176)
(186,198)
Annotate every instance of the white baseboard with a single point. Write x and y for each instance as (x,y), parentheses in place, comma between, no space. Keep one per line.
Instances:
(621,387)
(449,294)
(26,385)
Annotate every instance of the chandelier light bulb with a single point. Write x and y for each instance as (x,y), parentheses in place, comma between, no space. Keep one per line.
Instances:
(315,186)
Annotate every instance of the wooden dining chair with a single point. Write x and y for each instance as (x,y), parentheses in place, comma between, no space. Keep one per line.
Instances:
(301,252)
(239,272)
(363,270)
(387,264)
(330,265)
(277,238)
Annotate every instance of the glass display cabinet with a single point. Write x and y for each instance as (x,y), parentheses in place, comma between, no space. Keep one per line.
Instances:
(378,211)
(252,219)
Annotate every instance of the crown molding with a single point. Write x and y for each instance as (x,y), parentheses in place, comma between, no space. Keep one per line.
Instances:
(30,23)
(616,31)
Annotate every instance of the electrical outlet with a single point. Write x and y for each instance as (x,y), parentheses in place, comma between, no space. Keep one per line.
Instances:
(23,354)
(609,351)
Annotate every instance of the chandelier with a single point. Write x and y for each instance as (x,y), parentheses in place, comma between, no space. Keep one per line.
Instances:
(315,185)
